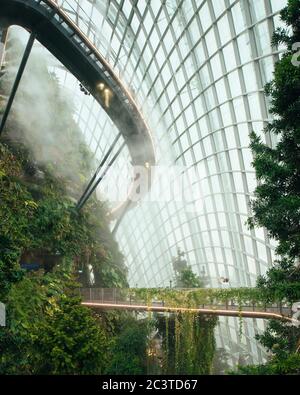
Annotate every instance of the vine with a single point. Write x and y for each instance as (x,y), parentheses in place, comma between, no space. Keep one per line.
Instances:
(240,318)
(204,296)
(166,365)
(177,342)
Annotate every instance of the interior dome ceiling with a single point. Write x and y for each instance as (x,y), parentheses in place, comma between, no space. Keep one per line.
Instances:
(197,71)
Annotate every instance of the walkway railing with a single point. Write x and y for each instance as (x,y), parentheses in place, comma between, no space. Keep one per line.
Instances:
(127,299)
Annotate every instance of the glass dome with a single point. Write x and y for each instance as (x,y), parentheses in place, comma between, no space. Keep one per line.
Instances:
(197,71)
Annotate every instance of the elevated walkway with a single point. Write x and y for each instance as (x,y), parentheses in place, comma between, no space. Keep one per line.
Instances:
(122,299)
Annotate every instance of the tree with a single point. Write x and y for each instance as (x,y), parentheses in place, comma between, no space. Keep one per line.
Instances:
(188,279)
(72,340)
(220,362)
(281,282)
(129,353)
(277,198)
(178,262)
(184,275)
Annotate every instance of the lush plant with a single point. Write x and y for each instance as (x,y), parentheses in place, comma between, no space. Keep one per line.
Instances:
(16,210)
(129,353)
(277,198)
(188,279)
(42,218)
(205,296)
(277,366)
(184,333)
(72,339)
(184,275)
(48,331)
(44,166)
(281,282)
(47,221)
(188,343)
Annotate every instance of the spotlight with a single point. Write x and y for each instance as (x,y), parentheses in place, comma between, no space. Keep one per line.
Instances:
(101,86)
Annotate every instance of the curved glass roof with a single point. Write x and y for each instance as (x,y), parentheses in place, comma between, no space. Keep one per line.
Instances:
(197,70)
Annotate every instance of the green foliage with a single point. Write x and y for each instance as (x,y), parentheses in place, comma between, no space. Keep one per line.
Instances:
(72,340)
(40,218)
(188,334)
(129,353)
(42,320)
(14,217)
(277,198)
(184,275)
(282,343)
(48,331)
(207,296)
(188,343)
(287,366)
(290,16)
(282,282)
(281,340)
(10,271)
(188,279)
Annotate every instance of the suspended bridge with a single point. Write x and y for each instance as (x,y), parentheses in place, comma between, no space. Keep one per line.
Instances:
(122,299)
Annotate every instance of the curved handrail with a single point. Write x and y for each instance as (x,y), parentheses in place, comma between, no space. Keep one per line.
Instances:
(169,309)
(37,15)
(126,299)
